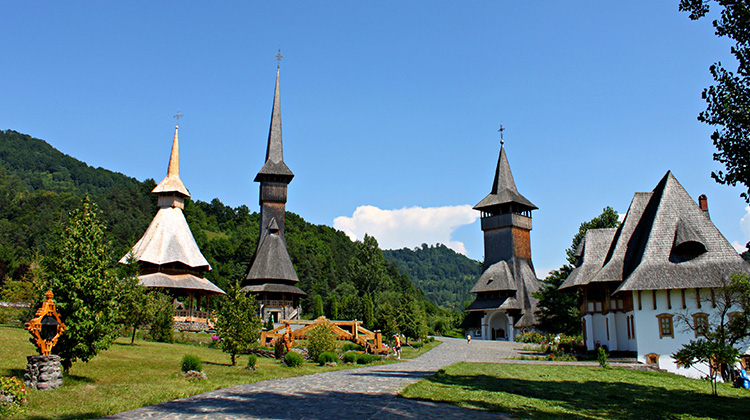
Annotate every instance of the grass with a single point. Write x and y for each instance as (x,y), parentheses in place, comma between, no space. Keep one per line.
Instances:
(127,377)
(573,392)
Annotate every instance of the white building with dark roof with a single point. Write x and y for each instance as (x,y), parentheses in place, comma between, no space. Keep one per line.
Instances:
(666,260)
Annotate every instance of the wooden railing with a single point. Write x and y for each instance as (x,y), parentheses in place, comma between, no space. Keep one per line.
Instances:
(191,316)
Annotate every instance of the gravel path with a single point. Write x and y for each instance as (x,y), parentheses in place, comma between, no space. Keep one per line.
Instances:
(364,393)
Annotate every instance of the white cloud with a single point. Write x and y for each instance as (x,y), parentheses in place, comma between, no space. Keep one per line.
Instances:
(408,227)
(745,223)
(740,248)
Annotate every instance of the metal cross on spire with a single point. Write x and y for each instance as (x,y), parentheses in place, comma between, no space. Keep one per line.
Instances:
(279,57)
(177,117)
(501,129)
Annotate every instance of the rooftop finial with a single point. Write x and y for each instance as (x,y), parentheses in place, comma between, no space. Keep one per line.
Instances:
(177,117)
(501,129)
(279,57)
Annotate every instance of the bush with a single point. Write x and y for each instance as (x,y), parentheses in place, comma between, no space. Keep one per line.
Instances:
(350,357)
(162,328)
(13,395)
(418,345)
(252,362)
(293,359)
(531,337)
(351,346)
(191,362)
(319,340)
(366,359)
(601,357)
(279,349)
(327,357)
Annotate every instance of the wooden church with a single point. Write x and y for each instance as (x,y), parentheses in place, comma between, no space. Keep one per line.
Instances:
(271,277)
(168,256)
(504,306)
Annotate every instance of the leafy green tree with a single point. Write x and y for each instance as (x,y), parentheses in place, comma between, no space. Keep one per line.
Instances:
(728,100)
(162,324)
(558,310)
(86,295)
(411,318)
(319,340)
(236,322)
(368,309)
(318,306)
(722,334)
(333,308)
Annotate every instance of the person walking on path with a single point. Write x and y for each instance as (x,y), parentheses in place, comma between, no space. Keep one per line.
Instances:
(397,345)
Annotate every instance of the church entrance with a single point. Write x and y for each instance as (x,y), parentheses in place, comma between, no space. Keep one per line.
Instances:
(498,326)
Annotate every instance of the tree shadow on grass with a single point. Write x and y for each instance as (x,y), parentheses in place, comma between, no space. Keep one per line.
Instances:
(76,378)
(217,364)
(89,415)
(590,399)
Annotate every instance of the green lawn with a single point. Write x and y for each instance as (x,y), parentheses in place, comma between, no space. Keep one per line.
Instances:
(571,392)
(127,377)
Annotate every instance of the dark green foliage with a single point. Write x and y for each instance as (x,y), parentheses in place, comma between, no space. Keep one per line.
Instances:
(162,326)
(558,310)
(86,294)
(351,346)
(137,305)
(444,275)
(320,340)
(368,312)
(268,325)
(252,361)
(327,357)
(350,357)
(366,359)
(728,100)
(293,359)
(236,322)
(191,362)
(333,308)
(318,307)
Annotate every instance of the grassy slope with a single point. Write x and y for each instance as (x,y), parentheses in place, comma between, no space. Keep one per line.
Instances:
(569,392)
(127,377)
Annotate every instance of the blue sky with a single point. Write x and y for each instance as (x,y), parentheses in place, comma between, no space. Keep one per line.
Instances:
(390,109)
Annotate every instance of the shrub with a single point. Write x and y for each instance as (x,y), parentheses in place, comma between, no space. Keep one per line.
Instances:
(531,337)
(351,346)
(191,362)
(602,356)
(252,362)
(418,345)
(279,349)
(350,357)
(13,395)
(327,357)
(293,359)
(366,359)
(163,323)
(319,340)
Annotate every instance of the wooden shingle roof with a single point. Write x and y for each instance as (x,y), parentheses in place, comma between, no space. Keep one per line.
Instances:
(504,187)
(665,242)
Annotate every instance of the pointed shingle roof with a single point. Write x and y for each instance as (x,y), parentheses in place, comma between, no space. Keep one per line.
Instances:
(593,250)
(272,260)
(274,165)
(504,187)
(665,242)
(172,182)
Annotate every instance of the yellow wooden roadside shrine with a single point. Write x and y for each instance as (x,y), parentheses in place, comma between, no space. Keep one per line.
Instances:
(47,327)
(371,341)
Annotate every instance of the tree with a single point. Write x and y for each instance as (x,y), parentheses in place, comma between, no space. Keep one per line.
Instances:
(162,324)
(722,333)
(86,295)
(137,306)
(319,340)
(558,310)
(236,323)
(318,306)
(368,309)
(728,101)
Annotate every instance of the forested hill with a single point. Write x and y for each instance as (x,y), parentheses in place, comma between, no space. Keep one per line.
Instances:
(444,275)
(39,186)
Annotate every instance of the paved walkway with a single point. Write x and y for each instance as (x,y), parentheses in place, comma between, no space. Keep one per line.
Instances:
(364,393)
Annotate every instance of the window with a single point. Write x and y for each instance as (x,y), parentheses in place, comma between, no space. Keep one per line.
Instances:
(665,325)
(700,323)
